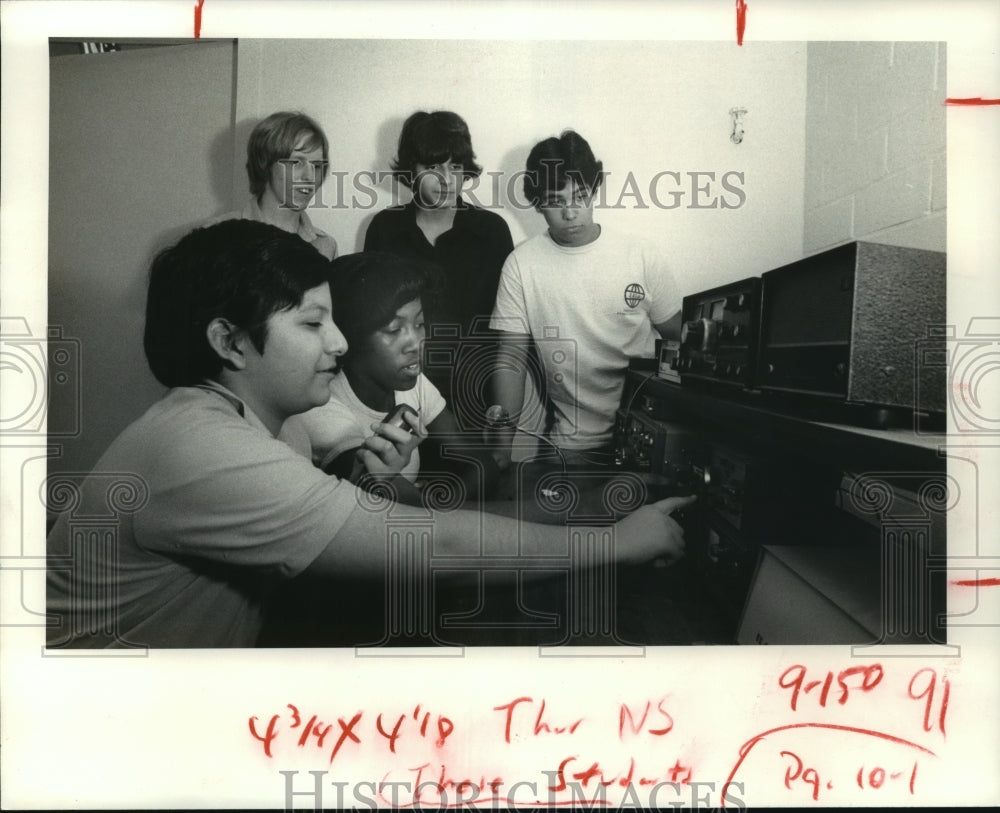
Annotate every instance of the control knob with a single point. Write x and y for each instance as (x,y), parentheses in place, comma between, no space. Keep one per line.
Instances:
(737,302)
(700,333)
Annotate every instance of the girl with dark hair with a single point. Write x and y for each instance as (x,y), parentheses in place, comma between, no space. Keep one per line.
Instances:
(379,305)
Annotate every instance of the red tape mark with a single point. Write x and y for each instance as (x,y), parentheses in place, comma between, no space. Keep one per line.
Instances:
(197,18)
(741,20)
(975,100)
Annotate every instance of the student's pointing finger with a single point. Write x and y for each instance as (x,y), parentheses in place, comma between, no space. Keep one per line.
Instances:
(671,504)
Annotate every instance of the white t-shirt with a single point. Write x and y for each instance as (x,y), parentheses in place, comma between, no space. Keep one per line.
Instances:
(589,309)
(344,421)
(187,521)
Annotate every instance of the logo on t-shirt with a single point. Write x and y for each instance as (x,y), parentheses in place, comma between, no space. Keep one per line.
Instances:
(634,294)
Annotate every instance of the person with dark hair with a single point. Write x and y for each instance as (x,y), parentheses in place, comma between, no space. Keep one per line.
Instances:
(554,162)
(605,296)
(379,305)
(201,510)
(434,160)
(287,159)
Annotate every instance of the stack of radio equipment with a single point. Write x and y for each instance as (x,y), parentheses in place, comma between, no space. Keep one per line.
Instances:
(836,336)
(843,328)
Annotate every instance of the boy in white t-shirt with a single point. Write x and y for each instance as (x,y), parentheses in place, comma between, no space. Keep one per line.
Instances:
(588,299)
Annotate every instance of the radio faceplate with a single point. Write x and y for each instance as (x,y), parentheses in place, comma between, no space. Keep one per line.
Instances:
(719,333)
(748,497)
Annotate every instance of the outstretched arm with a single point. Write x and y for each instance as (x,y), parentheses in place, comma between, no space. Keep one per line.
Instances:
(359,548)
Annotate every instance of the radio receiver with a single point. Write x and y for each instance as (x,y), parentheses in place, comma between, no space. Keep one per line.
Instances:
(719,334)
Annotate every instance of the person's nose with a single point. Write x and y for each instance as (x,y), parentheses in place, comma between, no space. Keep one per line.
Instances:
(570,212)
(334,342)
(305,172)
(412,338)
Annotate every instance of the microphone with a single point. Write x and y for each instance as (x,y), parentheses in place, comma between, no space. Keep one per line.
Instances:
(497,417)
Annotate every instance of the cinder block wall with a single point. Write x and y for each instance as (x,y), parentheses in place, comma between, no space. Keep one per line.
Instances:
(875,144)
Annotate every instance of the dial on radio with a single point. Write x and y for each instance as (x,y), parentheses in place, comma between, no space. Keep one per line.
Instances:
(719,333)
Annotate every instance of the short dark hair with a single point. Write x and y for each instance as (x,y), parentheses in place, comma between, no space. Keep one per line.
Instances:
(428,139)
(239,270)
(555,161)
(369,287)
(274,139)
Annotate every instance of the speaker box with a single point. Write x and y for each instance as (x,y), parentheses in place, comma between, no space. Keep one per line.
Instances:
(848,323)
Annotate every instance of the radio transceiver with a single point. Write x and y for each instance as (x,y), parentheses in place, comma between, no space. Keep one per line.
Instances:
(719,334)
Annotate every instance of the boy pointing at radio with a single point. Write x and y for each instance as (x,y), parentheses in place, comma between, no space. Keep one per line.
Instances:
(587,298)
(218,511)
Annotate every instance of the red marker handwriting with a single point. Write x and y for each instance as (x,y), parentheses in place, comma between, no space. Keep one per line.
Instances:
(861,678)
(874,778)
(741,20)
(596,774)
(197,18)
(797,770)
(314,729)
(661,718)
(445,782)
(541,726)
(925,685)
(443,727)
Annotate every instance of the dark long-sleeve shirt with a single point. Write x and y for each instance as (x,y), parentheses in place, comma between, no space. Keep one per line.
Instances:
(469,257)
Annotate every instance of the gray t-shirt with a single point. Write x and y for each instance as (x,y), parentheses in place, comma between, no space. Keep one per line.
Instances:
(213,510)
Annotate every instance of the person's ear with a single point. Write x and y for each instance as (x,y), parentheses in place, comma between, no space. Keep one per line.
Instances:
(228,341)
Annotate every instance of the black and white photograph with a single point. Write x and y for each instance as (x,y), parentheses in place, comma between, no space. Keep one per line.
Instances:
(499,405)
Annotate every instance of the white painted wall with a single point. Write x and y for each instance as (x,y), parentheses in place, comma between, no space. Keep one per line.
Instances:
(875,144)
(645,107)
